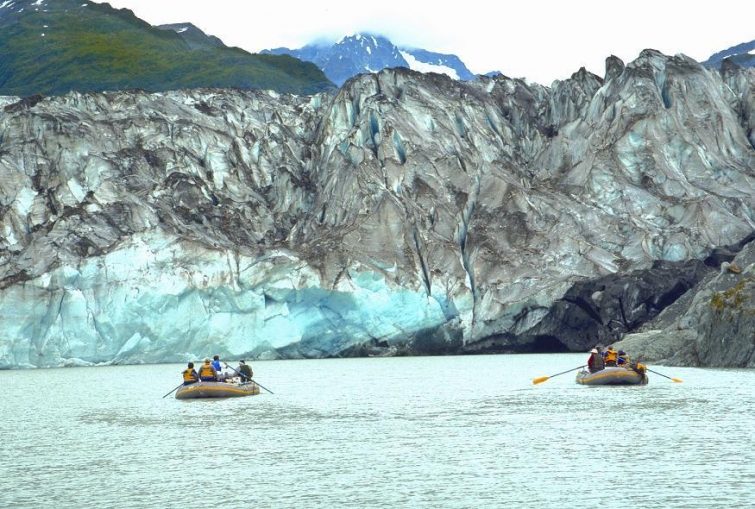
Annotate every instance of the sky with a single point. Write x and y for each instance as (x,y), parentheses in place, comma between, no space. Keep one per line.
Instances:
(540,40)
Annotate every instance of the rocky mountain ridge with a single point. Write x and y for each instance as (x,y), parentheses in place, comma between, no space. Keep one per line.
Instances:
(51,47)
(407,213)
(742,55)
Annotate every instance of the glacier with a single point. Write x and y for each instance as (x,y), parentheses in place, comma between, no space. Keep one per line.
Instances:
(404,214)
(158,299)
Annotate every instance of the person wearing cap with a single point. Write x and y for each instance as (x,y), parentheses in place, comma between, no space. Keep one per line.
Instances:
(245,371)
(207,373)
(595,362)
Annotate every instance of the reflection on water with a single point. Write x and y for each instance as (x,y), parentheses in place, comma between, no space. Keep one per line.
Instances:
(408,432)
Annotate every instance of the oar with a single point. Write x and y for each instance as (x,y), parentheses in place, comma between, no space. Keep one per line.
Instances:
(171,392)
(677,380)
(268,390)
(542,379)
(243,376)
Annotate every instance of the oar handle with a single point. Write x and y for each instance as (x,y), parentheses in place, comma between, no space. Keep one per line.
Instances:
(567,371)
(231,367)
(243,376)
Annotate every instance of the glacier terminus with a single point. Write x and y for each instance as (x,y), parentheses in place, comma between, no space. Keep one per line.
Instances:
(404,213)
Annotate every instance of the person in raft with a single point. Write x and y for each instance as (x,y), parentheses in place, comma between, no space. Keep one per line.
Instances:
(610,356)
(218,369)
(207,373)
(245,371)
(622,359)
(595,362)
(190,374)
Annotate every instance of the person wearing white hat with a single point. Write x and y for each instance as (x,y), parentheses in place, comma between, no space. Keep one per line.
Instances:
(595,362)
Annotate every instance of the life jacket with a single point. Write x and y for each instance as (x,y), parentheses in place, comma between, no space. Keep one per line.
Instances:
(206,372)
(190,375)
(611,356)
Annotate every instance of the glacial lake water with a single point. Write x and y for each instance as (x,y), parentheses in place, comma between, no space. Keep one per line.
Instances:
(395,432)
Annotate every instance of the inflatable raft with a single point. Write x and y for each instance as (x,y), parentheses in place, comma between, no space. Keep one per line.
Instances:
(613,376)
(217,390)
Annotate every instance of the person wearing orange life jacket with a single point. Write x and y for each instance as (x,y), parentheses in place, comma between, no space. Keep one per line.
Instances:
(610,356)
(207,373)
(190,374)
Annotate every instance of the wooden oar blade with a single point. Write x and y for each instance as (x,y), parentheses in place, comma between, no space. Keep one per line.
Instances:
(539,380)
(677,380)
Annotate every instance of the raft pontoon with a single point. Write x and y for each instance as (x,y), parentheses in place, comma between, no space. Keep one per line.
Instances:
(614,375)
(217,390)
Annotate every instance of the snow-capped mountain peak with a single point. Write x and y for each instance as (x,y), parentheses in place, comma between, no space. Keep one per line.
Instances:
(364,52)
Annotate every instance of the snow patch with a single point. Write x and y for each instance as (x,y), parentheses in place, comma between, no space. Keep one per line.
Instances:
(38,2)
(7,3)
(369,50)
(24,201)
(182,30)
(416,65)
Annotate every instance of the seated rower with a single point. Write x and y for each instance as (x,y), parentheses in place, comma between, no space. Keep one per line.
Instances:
(245,371)
(220,376)
(610,356)
(190,374)
(623,358)
(207,373)
(595,362)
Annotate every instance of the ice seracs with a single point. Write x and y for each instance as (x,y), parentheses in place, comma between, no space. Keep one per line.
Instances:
(407,213)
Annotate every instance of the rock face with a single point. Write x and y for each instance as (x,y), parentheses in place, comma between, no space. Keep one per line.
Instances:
(407,213)
(714,325)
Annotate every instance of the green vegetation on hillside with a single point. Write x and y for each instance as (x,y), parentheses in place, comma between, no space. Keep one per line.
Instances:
(93,47)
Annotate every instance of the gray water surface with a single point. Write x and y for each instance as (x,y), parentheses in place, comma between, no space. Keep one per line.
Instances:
(395,432)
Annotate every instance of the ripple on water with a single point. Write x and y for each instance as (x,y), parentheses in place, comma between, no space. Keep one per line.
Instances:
(335,435)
